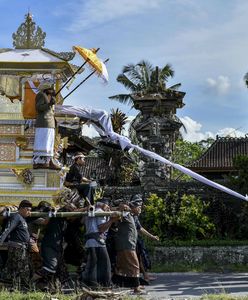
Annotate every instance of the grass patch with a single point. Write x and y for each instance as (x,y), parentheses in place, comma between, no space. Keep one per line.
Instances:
(5,295)
(223,297)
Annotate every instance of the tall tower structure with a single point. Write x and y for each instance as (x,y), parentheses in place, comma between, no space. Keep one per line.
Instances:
(157,128)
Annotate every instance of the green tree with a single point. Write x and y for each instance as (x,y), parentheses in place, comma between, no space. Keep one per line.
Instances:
(186,152)
(178,218)
(123,166)
(239,178)
(142,78)
(118,119)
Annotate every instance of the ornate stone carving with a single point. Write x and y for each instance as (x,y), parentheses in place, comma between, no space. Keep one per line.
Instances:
(8,106)
(10,130)
(28,35)
(157,128)
(7,152)
(25,176)
(22,142)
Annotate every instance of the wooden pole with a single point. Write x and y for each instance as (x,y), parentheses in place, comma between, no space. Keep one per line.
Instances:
(79,69)
(66,214)
(83,81)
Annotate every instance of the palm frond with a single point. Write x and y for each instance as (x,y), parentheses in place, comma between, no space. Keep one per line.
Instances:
(129,84)
(166,72)
(128,68)
(154,77)
(122,98)
(143,78)
(132,72)
(146,70)
(175,87)
(118,119)
(136,74)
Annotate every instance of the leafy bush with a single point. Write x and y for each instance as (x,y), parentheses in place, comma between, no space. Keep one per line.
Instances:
(240,178)
(178,218)
(185,152)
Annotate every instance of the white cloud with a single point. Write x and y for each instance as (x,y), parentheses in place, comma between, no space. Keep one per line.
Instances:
(231,132)
(220,85)
(193,130)
(194,133)
(92,12)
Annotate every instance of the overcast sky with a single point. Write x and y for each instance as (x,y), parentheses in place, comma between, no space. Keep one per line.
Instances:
(205,42)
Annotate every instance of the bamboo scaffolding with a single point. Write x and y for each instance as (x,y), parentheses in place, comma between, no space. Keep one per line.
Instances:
(61,214)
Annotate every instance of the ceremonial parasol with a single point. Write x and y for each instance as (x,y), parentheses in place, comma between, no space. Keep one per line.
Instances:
(95,64)
(93,61)
(87,59)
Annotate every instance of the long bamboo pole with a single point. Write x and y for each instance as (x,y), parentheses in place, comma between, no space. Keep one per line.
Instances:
(82,82)
(61,214)
(73,75)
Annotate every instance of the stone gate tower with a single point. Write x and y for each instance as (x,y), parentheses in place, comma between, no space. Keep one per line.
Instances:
(157,128)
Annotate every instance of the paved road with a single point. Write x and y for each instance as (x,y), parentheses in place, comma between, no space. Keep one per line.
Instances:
(188,285)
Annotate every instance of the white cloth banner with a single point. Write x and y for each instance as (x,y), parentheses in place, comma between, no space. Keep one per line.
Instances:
(44,142)
(33,87)
(102,117)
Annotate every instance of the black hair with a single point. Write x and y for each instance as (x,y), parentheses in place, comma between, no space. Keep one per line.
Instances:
(25,203)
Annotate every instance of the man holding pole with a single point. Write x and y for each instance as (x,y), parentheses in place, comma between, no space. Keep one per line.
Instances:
(18,269)
(45,128)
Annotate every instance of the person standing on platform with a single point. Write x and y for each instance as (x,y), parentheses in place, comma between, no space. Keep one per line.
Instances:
(45,128)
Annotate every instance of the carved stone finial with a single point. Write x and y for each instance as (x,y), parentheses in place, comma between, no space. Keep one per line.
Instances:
(28,35)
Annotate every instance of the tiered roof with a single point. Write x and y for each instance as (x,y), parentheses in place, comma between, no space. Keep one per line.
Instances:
(219,156)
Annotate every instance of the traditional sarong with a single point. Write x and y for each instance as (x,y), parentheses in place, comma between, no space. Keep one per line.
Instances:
(43,145)
(127,269)
(18,268)
(127,263)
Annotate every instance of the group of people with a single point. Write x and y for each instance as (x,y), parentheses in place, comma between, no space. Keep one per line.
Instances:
(38,246)
(109,256)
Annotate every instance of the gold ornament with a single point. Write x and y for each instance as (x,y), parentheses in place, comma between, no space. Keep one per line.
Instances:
(21,142)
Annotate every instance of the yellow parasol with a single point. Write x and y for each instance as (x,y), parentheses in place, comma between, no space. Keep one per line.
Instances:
(97,66)
(90,57)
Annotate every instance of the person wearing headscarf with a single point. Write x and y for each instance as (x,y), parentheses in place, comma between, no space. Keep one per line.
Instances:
(18,268)
(127,269)
(52,249)
(135,204)
(98,268)
(45,128)
(75,179)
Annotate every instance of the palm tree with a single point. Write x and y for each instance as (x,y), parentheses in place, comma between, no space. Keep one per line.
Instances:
(118,119)
(143,78)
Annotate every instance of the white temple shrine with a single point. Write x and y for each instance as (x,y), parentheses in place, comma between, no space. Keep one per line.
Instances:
(21,70)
